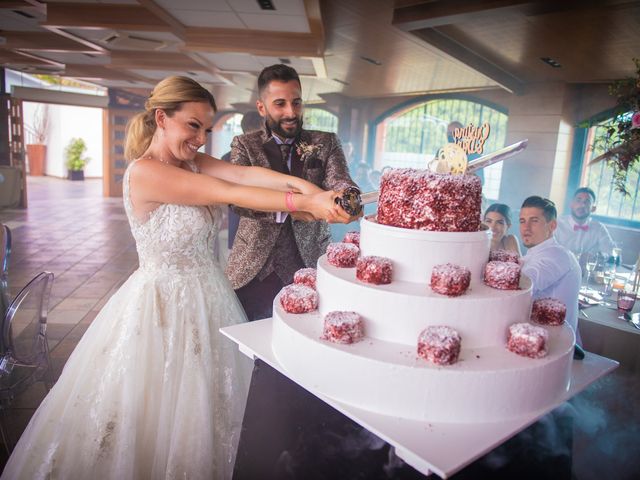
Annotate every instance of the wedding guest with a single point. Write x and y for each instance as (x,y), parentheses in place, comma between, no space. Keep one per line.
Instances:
(152,390)
(553,270)
(498,218)
(269,248)
(581,233)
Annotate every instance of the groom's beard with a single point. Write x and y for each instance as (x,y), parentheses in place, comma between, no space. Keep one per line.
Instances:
(276,127)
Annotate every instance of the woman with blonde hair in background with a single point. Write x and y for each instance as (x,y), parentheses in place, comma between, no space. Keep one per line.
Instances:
(153,390)
(498,218)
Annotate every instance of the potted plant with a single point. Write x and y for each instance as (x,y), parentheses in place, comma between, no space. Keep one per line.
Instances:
(37,151)
(75,159)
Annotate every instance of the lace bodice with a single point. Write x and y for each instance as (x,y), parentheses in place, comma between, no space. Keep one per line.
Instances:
(174,239)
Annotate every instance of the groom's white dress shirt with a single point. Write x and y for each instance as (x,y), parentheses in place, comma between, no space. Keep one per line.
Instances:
(555,273)
(592,236)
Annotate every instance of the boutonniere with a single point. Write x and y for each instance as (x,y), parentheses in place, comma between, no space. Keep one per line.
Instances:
(307,150)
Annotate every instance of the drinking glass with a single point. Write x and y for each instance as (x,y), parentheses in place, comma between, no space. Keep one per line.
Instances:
(591,263)
(607,280)
(626,301)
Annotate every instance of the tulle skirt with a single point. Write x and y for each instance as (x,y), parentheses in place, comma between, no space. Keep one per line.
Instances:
(152,391)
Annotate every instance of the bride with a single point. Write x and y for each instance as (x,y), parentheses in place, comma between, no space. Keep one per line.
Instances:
(153,391)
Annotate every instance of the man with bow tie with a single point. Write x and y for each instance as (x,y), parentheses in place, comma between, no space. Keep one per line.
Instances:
(578,231)
(268,247)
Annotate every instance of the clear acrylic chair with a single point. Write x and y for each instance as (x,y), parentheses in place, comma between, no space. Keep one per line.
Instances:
(5,253)
(24,331)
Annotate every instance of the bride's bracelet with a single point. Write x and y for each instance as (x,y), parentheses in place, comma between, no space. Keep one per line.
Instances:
(288,200)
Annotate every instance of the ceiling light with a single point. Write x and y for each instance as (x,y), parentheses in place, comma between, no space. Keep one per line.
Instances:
(286,61)
(340,81)
(371,60)
(551,62)
(266,5)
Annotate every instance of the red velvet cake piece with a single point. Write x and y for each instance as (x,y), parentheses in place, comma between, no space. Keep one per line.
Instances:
(343,327)
(439,344)
(342,255)
(352,237)
(504,256)
(424,200)
(306,276)
(548,311)
(449,279)
(502,275)
(527,340)
(297,298)
(373,269)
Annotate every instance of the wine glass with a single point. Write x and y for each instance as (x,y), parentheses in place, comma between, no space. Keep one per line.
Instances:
(625,303)
(590,264)
(607,280)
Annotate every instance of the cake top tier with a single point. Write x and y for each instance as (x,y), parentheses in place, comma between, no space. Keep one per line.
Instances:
(424,200)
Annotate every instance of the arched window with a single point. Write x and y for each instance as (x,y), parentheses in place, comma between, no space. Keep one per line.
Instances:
(611,204)
(320,119)
(410,137)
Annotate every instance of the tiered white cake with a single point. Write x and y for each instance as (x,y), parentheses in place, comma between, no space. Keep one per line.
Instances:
(383,373)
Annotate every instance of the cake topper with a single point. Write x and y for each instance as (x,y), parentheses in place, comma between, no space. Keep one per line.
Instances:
(450,159)
(471,138)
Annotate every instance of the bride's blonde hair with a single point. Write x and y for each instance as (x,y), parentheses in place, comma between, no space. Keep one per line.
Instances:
(169,95)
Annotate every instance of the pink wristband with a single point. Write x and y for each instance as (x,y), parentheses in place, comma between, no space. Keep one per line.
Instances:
(288,200)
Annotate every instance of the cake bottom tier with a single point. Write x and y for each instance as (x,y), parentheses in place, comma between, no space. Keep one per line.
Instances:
(487,384)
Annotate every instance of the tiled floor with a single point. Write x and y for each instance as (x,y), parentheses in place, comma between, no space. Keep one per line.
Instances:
(84,239)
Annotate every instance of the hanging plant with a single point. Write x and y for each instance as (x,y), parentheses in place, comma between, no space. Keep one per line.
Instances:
(621,138)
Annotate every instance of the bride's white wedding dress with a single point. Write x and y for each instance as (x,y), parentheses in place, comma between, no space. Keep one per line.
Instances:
(153,390)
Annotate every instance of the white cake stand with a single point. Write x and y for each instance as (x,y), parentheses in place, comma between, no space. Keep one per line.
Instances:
(440,448)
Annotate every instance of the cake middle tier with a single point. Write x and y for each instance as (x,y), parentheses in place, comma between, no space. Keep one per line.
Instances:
(399,311)
(415,252)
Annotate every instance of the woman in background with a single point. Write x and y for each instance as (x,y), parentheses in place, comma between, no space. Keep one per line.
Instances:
(498,218)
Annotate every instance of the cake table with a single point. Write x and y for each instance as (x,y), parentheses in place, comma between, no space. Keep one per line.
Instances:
(440,448)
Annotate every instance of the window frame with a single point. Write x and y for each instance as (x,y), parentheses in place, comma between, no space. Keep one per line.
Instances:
(578,154)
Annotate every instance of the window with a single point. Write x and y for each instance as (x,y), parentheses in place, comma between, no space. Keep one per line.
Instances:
(599,176)
(222,136)
(319,119)
(411,137)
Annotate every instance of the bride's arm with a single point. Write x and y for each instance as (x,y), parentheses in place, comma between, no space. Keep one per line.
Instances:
(152,182)
(253,176)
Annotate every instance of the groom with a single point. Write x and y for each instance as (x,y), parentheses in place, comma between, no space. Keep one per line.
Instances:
(269,248)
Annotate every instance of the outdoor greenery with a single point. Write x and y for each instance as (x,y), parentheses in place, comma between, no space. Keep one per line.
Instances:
(75,160)
(319,119)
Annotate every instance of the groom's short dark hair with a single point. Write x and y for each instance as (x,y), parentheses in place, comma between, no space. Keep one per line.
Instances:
(280,72)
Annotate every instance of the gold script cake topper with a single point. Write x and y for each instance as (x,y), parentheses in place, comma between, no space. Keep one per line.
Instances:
(472,138)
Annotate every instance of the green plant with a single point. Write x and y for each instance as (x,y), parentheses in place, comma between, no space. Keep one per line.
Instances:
(620,140)
(74,155)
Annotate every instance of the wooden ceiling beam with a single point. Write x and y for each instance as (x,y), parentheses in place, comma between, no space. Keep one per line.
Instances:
(434,13)
(254,42)
(177,28)
(108,16)
(43,42)
(154,61)
(102,72)
(467,56)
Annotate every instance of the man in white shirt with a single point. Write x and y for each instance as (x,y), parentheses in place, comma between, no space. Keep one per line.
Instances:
(579,232)
(552,268)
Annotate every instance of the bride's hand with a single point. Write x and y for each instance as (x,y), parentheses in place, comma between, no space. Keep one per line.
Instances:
(323,207)
(304,187)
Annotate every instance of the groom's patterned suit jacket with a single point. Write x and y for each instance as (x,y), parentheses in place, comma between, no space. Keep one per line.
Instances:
(323,164)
